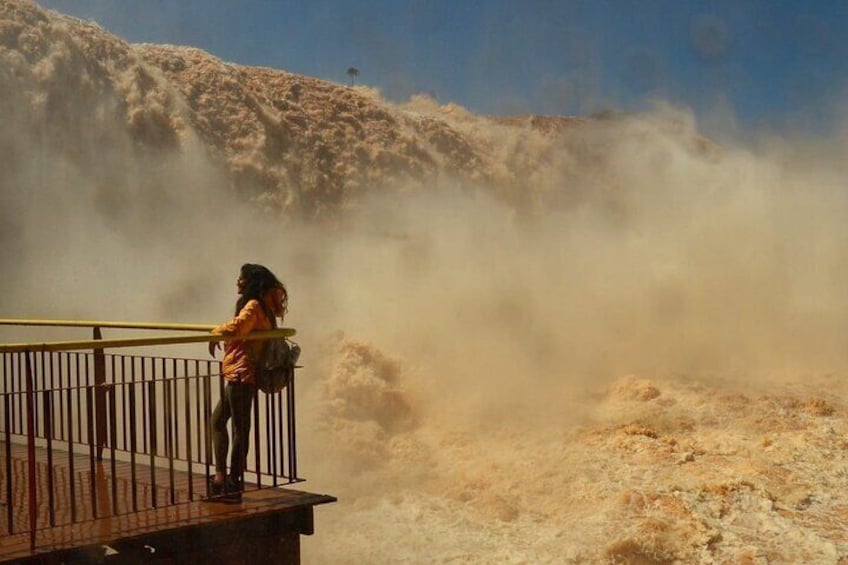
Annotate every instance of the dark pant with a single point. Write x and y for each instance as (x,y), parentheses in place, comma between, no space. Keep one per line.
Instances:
(235,403)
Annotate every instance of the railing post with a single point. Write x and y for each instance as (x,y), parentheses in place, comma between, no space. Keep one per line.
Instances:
(291,426)
(32,486)
(99,395)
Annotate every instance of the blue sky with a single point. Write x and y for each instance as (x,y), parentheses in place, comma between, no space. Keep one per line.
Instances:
(774,64)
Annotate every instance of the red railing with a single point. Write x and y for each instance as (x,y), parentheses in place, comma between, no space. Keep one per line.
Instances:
(63,409)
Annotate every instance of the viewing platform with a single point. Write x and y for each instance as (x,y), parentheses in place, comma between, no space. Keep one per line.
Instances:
(105,456)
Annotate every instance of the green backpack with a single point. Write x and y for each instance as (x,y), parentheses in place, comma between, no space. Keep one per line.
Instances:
(277,361)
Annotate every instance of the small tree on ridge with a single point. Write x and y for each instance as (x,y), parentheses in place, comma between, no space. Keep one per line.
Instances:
(352,72)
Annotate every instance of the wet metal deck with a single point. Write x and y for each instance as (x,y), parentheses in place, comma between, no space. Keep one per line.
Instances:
(102,508)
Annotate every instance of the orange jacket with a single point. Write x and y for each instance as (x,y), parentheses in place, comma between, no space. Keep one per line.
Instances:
(238,359)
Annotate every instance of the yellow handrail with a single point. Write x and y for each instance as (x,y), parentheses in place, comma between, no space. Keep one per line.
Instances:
(138,342)
(105,324)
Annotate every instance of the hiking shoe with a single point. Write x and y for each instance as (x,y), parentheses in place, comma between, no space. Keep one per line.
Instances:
(224,492)
(233,489)
(215,488)
(233,484)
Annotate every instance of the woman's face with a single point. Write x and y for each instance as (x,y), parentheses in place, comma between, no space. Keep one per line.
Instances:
(241,283)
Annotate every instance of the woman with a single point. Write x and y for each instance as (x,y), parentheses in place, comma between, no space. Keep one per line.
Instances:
(262,297)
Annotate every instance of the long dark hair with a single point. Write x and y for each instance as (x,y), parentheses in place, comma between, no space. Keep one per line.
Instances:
(258,280)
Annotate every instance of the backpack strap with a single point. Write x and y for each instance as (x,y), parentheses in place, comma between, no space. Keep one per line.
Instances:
(255,357)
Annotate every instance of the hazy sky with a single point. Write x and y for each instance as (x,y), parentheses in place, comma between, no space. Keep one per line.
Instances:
(772,63)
